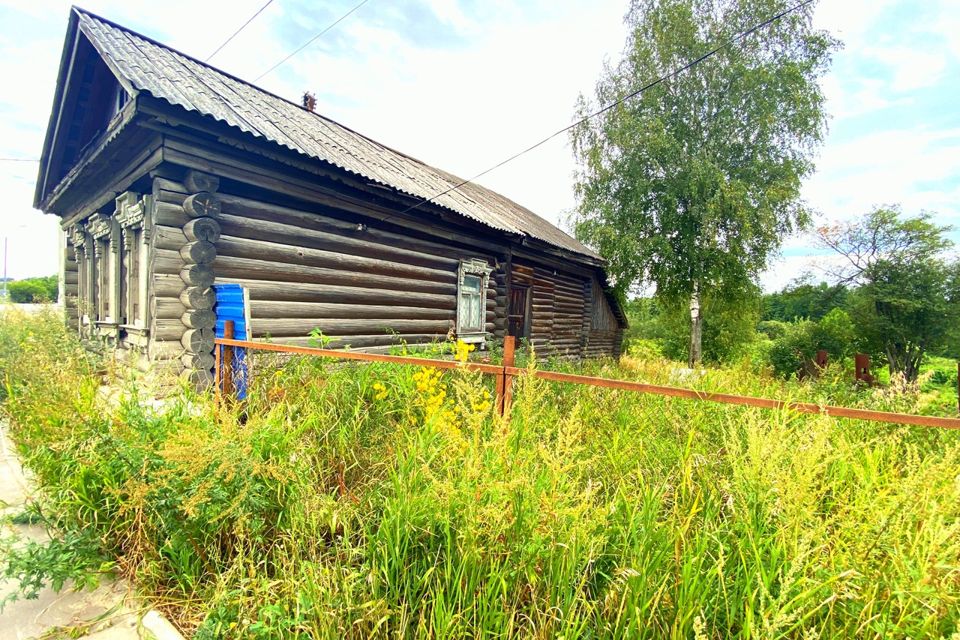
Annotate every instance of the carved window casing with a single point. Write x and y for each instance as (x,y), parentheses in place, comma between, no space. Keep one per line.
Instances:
(472,300)
(132,219)
(112,265)
(78,238)
(106,263)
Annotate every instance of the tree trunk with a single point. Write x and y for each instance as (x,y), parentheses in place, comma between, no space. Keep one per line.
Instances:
(905,360)
(696,329)
(914,358)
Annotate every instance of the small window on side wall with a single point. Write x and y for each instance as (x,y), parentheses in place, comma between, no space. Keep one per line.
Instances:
(471,300)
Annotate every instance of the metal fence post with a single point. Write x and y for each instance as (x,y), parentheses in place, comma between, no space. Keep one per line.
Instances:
(226,360)
(862,366)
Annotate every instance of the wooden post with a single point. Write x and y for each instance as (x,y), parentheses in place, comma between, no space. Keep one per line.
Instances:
(505,380)
(226,360)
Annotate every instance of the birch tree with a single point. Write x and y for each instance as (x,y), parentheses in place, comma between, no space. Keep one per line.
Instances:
(692,185)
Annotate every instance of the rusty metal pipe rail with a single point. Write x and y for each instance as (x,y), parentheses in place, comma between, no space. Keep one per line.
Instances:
(749,401)
(355,355)
(506,372)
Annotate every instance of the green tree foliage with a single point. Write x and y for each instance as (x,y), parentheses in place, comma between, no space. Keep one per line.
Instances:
(692,184)
(795,347)
(803,299)
(906,300)
(728,330)
(43,289)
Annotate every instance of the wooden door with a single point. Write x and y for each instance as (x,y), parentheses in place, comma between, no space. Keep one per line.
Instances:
(518,311)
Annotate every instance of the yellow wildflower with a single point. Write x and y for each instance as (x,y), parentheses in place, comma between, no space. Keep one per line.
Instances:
(483,404)
(381,391)
(462,351)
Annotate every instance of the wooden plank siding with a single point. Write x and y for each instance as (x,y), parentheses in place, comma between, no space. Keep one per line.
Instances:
(603,331)
(557,308)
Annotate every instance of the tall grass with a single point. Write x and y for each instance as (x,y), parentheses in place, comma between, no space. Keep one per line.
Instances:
(384,501)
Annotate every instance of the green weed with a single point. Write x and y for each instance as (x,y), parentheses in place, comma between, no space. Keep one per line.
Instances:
(357,501)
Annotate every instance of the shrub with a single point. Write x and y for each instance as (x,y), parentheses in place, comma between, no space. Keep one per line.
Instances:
(33,290)
(773,329)
(799,342)
(645,349)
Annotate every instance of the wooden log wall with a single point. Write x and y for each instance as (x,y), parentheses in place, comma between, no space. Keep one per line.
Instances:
(71,280)
(499,281)
(557,309)
(362,285)
(185,231)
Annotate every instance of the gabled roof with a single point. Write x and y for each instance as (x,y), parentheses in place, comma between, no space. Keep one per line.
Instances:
(144,65)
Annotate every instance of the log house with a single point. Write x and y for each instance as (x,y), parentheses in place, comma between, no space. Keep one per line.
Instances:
(169,176)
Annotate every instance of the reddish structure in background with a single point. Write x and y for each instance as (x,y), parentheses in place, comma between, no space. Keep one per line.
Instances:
(862,364)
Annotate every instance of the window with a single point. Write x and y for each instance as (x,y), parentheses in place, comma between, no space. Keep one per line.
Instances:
(472,299)
(133,239)
(105,264)
(112,263)
(131,217)
(82,251)
(120,100)
(102,290)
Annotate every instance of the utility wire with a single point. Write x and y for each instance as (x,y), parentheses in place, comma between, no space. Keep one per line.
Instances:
(737,38)
(312,40)
(237,32)
(19,160)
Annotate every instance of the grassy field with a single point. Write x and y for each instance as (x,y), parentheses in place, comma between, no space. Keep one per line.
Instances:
(387,501)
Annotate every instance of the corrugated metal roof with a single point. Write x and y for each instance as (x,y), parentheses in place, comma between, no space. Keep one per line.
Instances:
(180,80)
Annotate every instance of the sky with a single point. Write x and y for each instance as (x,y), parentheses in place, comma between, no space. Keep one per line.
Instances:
(462,84)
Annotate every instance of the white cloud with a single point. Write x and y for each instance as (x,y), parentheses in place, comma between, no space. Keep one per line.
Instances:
(448,11)
(885,168)
(788,269)
(846,99)
(909,68)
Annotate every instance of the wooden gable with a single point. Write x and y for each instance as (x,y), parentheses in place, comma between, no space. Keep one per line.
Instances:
(89,98)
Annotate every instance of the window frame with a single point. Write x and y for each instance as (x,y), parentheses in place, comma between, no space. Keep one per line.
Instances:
(112,253)
(472,330)
(105,283)
(131,215)
(81,252)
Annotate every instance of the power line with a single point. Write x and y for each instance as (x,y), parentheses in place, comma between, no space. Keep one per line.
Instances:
(740,36)
(237,32)
(312,40)
(19,160)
